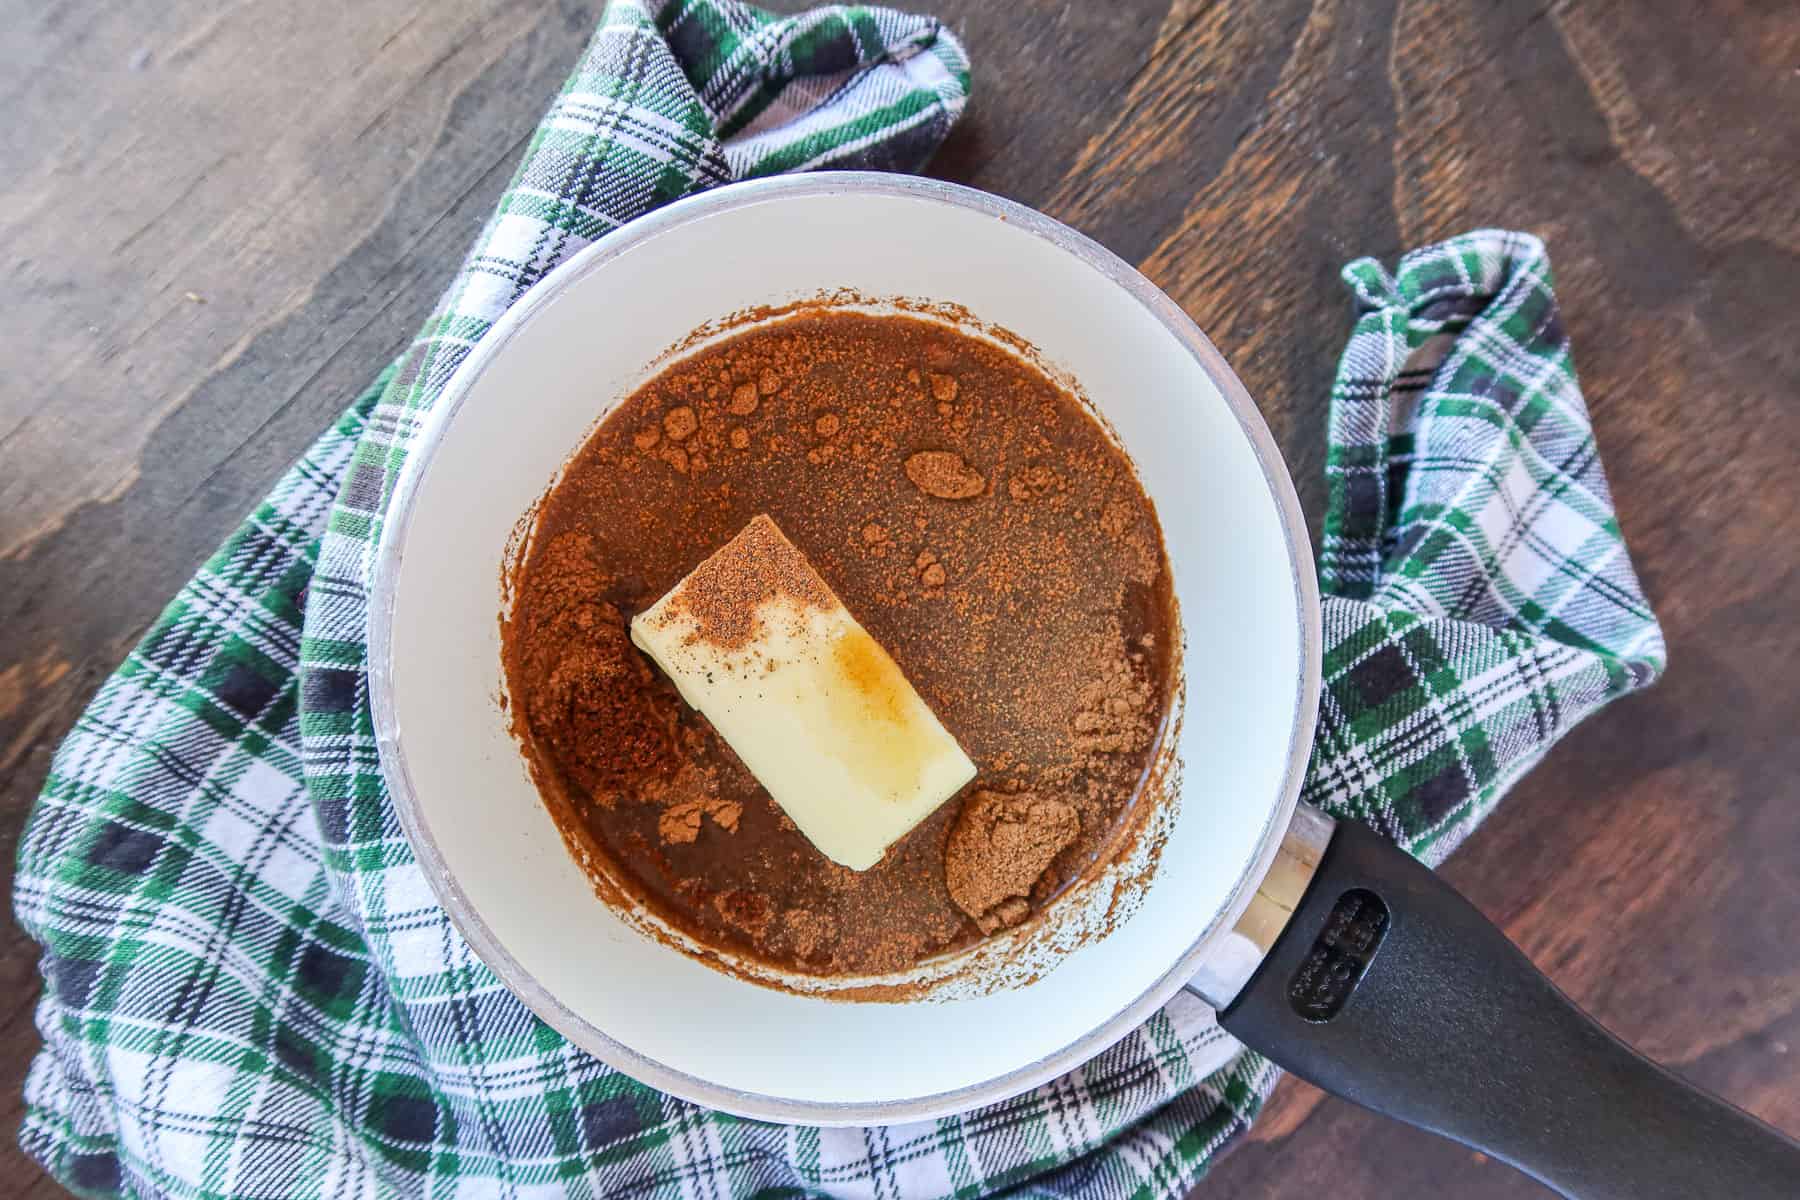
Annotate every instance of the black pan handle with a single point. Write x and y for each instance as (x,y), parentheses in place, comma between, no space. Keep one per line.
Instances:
(1389,989)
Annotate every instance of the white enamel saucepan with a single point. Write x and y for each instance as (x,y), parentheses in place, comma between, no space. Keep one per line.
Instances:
(1323,946)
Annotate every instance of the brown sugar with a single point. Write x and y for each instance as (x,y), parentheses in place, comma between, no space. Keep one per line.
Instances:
(999,848)
(723,594)
(1002,553)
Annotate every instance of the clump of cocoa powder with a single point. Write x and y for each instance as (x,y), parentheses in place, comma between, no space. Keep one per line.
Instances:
(944,474)
(610,727)
(592,701)
(1117,712)
(931,571)
(999,848)
(1034,481)
(680,822)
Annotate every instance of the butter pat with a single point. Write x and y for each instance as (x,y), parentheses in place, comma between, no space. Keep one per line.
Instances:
(812,704)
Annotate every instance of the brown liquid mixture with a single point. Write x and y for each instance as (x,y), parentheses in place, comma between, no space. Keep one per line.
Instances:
(979,524)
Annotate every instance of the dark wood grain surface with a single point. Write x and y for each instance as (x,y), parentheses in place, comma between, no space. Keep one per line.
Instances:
(217,220)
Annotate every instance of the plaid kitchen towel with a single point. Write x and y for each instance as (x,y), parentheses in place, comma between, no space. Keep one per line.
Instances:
(248,989)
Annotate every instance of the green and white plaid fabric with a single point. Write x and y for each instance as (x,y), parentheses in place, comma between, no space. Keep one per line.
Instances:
(1479,598)
(249,991)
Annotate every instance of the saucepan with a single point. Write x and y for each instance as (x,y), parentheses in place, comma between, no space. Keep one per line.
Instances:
(1318,943)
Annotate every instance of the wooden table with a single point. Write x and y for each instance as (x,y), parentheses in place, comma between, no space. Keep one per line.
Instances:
(217,221)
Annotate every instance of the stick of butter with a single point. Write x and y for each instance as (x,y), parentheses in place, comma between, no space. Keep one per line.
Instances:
(817,710)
